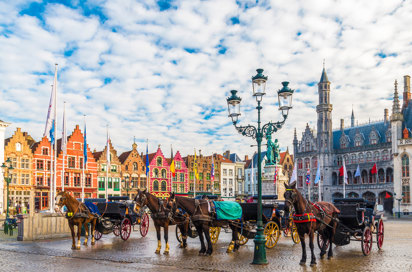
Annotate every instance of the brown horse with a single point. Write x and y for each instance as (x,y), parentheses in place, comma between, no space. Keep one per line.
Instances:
(202,218)
(78,215)
(309,218)
(162,217)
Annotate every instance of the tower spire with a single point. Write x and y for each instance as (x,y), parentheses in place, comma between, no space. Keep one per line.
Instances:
(352,119)
(395,106)
(324,77)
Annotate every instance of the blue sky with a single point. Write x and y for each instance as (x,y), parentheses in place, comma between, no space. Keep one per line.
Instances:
(162,69)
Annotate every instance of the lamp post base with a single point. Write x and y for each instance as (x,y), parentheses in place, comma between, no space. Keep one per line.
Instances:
(259,256)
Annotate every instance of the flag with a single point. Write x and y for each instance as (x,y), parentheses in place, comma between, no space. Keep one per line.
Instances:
(212,171)
(387,195)
(52,134)
(294,176)
(195,167)
(51,112)
(317,179)
(343,173)
(374,169)
(147,159)
(108,161)
(357,173)
(85,145)
(276,174)
(308,177)
(172,165)
(64,133)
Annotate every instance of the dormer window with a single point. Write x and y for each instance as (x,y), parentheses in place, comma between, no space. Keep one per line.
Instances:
(388,135)
(344,142)
(373,138)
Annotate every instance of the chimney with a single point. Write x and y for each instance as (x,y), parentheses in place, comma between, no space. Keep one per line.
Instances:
(200,153)
(406,90)
(226,154)
(342,124)
(246,157)
(386,116)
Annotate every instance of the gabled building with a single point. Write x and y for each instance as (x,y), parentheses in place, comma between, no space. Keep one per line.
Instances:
(73,170)
(228,178)
(159,176)
(239,172)
(17,149)
(108,179)
(180,184)
(41,173)
(286,160)
(133,172)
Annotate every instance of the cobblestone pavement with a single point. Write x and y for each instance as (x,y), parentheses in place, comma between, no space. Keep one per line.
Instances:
(113,254)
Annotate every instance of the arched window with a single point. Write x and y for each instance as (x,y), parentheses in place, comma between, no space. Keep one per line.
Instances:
(135,166)
(353,158)
(385,155)
(369,157)
(307,163)
(364,176)
(156,173)
(163,186)
(314,162)
(381,175)
(373,138)
(307,146)
(376,156)
(361,158)
(405,166)
(155,186)
(358,140)
(388,135)
(163,173)
(300,164)
(159,161)
(339,160)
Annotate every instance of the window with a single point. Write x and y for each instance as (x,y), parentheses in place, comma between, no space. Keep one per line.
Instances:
(307,163)
(300,164)
(72,162)
(353,158)
(76,180)
(174,178)
(18,146)
(159,161)
(230,172)
(116,184)
(135,166)
(225,172)
(156,173)
(88,180)
(406,191)
(314,162)
(191,175)
(48,165)
(155,186)
(369,157)
(178,165)
(405,166)
(200,176)
(192,187)
(39,180)
(182,177)
(126,167)
(376,156)
(45,151)
(358,140)
(40,164)
(344,143)
(66,179)
(135,182)
(208,176)
(142,182)
(373,138)
(224,181)
(81,163)
(388,135)
(307,146)
(385,155)
(114,168)
(182,188)
(361,158)
(300,181)
(208,187)
(174,187)
(109,183)
(164,173)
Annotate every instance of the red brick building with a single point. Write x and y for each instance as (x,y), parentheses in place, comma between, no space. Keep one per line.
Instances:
(41,175)
(73,162)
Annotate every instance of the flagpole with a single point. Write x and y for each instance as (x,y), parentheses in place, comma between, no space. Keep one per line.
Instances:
(55,138)
(51,178)
(63,140)
(107,164)
(320,183)
(84,158)
(194,170)
(344,175)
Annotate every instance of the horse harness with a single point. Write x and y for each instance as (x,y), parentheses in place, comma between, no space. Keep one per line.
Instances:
(202,216)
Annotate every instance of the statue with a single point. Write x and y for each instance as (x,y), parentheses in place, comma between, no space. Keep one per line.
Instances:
(272,153)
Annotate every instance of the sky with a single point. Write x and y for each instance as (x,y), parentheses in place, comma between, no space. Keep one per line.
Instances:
(162,70)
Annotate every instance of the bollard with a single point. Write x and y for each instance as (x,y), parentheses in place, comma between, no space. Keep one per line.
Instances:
(20,227)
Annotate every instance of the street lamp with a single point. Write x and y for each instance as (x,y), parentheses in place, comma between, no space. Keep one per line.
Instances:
(399,204)
(285,104)
(7,172)
(126,185)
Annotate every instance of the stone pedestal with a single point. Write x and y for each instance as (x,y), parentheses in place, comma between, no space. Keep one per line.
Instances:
(269,187)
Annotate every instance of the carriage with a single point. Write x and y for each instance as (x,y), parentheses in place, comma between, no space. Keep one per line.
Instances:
(274,219)
(119,216)
(358,221)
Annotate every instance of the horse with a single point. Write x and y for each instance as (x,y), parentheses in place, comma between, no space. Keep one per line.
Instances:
(308,218)
(202,218)
(162,217)
(78,214)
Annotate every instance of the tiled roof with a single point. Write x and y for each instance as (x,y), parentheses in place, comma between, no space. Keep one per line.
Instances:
(97,155)
(34,146)
(255,159)
(124,156)
(282,156)
(248,162)
(364,130)
(407,116)
(234,157)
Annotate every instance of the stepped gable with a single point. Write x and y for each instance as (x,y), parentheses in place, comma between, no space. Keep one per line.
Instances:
(123,157)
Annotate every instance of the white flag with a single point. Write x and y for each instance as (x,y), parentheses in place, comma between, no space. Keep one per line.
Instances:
(51,113)
(294,176)
(345,174)
(108,150)
(64,133)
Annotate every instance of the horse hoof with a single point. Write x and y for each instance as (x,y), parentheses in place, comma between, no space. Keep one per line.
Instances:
(166,253)
(330,257)
(73,247)
(157,251)
(78,247)
(93,243)
(85,244)
(312,263)
(302,263)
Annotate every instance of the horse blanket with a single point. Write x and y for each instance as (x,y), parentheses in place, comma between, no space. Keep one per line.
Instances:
(227,210)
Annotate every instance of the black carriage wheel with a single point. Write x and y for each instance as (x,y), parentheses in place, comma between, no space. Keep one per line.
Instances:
(144,225)
(97,235)
(321,242)
(116,229)
(380,233)
(366,241)
(178,234)
(125,229)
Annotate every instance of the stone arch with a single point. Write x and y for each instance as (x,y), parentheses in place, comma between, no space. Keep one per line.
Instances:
(334,178)
(370,196)
(337,195)
(381,175)
(353,195)
(364,176)
(350,178)
(389,174)
(386,199)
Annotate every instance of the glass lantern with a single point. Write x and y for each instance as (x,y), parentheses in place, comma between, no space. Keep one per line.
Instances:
(259,84)
(233,106)
(285,98)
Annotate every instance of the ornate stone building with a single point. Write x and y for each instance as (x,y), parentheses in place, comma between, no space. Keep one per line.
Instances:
(286,161)
(362,145)
(110,176)
(133,172)
(17,149)
(204,184)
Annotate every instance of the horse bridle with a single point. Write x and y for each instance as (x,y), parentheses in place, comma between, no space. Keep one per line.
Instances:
(141,200)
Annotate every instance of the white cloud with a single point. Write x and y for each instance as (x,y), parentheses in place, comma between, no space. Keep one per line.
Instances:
(129,66)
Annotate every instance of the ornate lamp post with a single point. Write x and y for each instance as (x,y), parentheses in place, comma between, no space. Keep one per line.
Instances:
(399,204)
(7,171)
(285,103)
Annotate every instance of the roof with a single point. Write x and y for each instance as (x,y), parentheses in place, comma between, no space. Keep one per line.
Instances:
(248,162)
(234,158)
(324,77)
(124,156)
(34,146)
(255,159)
(407,116)
(282,156)
(97,155)
(226,160)
(364,130)
(151,156)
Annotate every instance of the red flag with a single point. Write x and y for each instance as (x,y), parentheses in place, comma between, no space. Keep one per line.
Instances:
(374,169)
(341,171)
(387,195)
